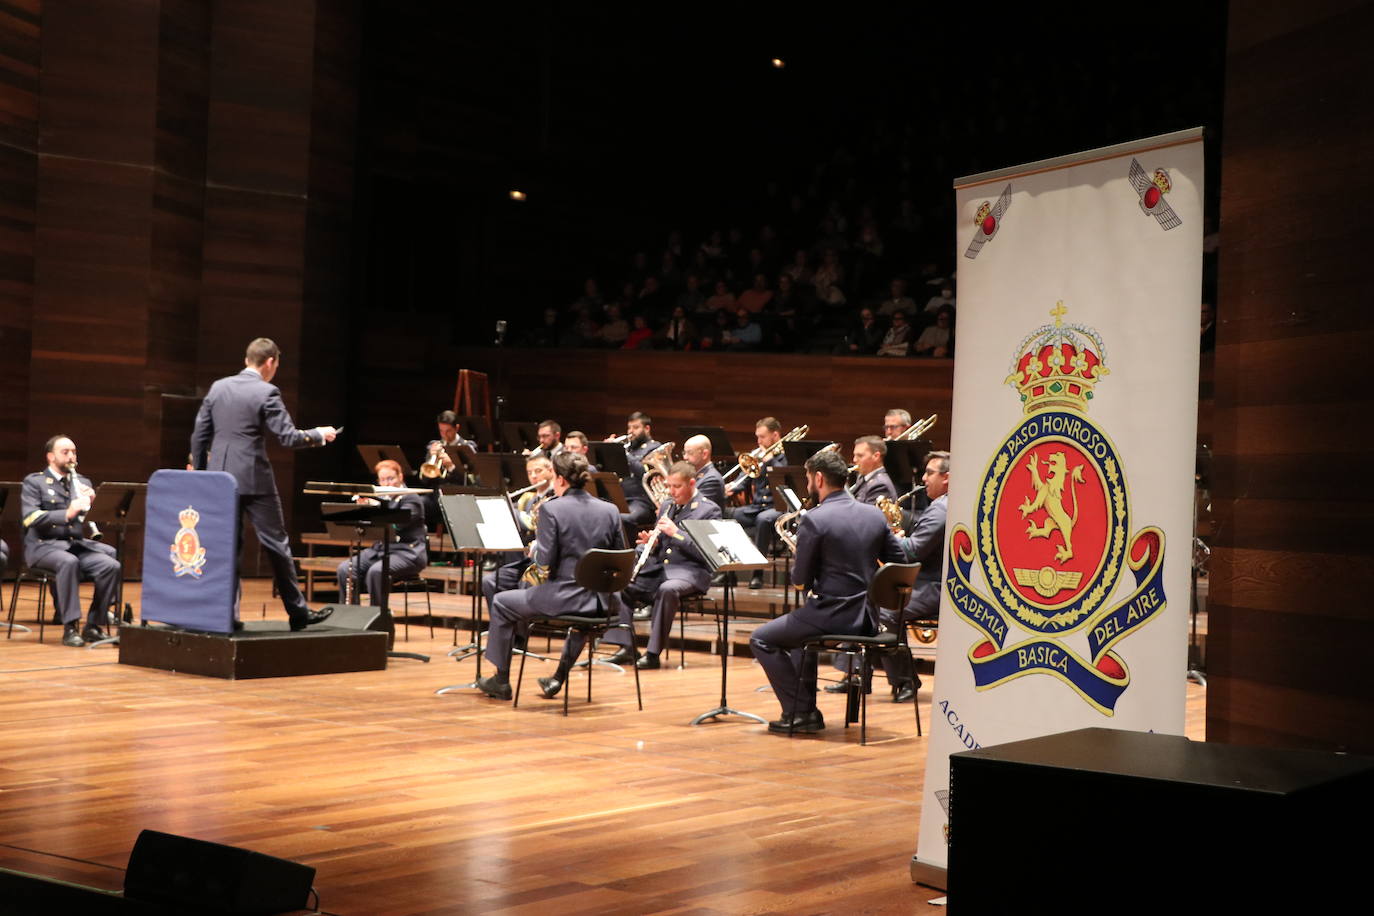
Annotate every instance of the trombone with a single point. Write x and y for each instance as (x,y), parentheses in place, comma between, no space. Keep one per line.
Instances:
(916,430)
(751,462)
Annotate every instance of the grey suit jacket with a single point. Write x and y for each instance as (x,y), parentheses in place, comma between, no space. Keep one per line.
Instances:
(838,545)
(569,526)
(711,485)
(232,428)
(880,484)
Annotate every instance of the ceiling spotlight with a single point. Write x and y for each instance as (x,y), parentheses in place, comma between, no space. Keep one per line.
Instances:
(517,195)
(779,63)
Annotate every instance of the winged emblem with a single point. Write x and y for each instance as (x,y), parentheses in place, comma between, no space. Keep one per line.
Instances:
(988,221)
(1151,191)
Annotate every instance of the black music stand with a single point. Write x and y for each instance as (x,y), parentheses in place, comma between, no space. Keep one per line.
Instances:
(462,515)
(743,557)
(797,452)
(904,462)
(477,429)
(721,449)
(116,507)
(607,486)
(365,516)
(610,456)
(371,454)
(464,461)
(788,477)
(519,434)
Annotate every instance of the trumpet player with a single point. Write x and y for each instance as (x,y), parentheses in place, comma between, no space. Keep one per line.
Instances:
(407,556)
(757,514)
(447,422)
(873,480)
(53,507)
(674,570)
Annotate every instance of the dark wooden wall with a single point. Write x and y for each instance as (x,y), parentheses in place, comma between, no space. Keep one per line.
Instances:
(1291,615)
(176,178)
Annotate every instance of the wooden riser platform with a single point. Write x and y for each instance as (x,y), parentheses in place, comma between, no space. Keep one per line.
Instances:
(261,649)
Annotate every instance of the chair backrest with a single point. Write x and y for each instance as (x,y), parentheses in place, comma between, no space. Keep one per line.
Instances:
(891,584)
(604,571)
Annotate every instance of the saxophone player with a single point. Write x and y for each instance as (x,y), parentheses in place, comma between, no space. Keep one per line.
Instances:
(53,507)
(539,470)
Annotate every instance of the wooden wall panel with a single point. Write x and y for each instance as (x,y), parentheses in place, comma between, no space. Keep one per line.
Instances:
(1292,444)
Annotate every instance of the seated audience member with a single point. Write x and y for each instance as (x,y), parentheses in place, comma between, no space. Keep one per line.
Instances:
(640,337)
(944,300)
(745,335)
(898,301)
(756,298)
(679,332)
(829,278)
(938,339)
(616,329)
(897,340)
(864,338)
(723,298)
(406,557)
(692,299)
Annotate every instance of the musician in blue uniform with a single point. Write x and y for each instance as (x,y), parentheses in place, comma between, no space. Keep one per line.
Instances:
(539,470)
(839,544)
(873,481)
(570,524)
(757,515)
(52,508)
(231,435)
(673,570)
(925,545)
(709,484)
(640,445)
(407,556)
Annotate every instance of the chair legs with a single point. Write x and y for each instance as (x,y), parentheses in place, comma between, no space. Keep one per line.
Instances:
(590,635)
(44,584)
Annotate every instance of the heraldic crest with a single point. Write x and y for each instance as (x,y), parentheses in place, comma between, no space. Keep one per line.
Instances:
(1050,536)
(188,557)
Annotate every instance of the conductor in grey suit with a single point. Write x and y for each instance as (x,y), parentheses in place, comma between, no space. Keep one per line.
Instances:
(570,524)
(231,435)
(838,545)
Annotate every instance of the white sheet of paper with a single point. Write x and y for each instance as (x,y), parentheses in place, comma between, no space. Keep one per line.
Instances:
(497,527)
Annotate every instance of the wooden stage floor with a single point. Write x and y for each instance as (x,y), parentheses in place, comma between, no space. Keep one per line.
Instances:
(407,802)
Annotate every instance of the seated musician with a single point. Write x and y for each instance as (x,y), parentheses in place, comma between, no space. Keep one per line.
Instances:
(406,557)
(673,570)
(923,545)
(838,545)
(895,422)
(697,452)
(577,443)
(550,435)
(873,480)
(53,505)
(638,446)
(569,526)
(757,515)
(447,422)
(539,470)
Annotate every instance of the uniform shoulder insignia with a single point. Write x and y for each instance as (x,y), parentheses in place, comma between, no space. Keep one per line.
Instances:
(48,480)
(695,504)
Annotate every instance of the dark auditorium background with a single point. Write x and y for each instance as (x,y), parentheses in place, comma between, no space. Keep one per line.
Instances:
(177,177)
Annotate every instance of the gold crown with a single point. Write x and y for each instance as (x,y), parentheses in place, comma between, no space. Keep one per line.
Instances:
(1161,181)
(1058,364)
(189,517)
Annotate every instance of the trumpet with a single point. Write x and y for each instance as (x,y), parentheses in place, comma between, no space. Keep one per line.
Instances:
(751,463)
(916,430)
(434,463)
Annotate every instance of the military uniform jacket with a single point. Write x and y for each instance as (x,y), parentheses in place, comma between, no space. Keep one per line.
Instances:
(569,526)
(838,545)
(758,492)
(633,485)
(711,485)
(926,545)
(678,557)
(412,538)
(232,426)
(870,488)
(43,505)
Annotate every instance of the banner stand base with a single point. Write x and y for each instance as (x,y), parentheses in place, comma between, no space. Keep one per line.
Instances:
(929,875)
(260,649)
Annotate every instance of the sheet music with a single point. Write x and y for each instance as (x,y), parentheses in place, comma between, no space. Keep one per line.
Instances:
(733,546)
(497,527)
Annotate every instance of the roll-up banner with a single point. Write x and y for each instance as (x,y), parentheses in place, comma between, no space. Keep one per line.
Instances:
(1067,555)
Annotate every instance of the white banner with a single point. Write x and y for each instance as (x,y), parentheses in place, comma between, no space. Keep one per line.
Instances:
(1066,589)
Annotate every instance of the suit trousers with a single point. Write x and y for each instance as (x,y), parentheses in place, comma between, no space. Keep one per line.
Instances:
(511,614)
(264,511)
(667,597)
(70,562)
(775,646)
(403,564)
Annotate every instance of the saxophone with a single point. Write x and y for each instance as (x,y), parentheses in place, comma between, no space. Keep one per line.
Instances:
(535,574)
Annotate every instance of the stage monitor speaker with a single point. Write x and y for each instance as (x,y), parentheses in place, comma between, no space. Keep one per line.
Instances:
(357,617)
(198,876)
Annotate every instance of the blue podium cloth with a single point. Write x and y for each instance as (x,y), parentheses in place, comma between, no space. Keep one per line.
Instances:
(190,550)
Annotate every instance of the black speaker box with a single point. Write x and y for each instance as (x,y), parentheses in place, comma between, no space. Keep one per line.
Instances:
(1119,821)
(358,617)
(210,878)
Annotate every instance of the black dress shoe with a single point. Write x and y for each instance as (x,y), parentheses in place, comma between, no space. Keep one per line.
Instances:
(238,626)
(71,636)
(756,580)
(497,690)
(808,723)
(550,686)
(648,662)
(92,634)
(643,613)
(905,693)
(622,657)
(310,619)
(842,686)
(782,725)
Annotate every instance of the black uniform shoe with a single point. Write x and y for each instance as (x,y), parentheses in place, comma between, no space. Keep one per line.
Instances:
(843,686)
(497,690)
(756,580)
(92,634)
(905,693)
(309,619)
(781,726)
(71,636)
(643,613)
(648,662)
(550,686)
(808,723)
(623,657)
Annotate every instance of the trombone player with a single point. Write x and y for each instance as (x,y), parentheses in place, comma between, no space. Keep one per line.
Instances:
(873,480)
(757,515)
